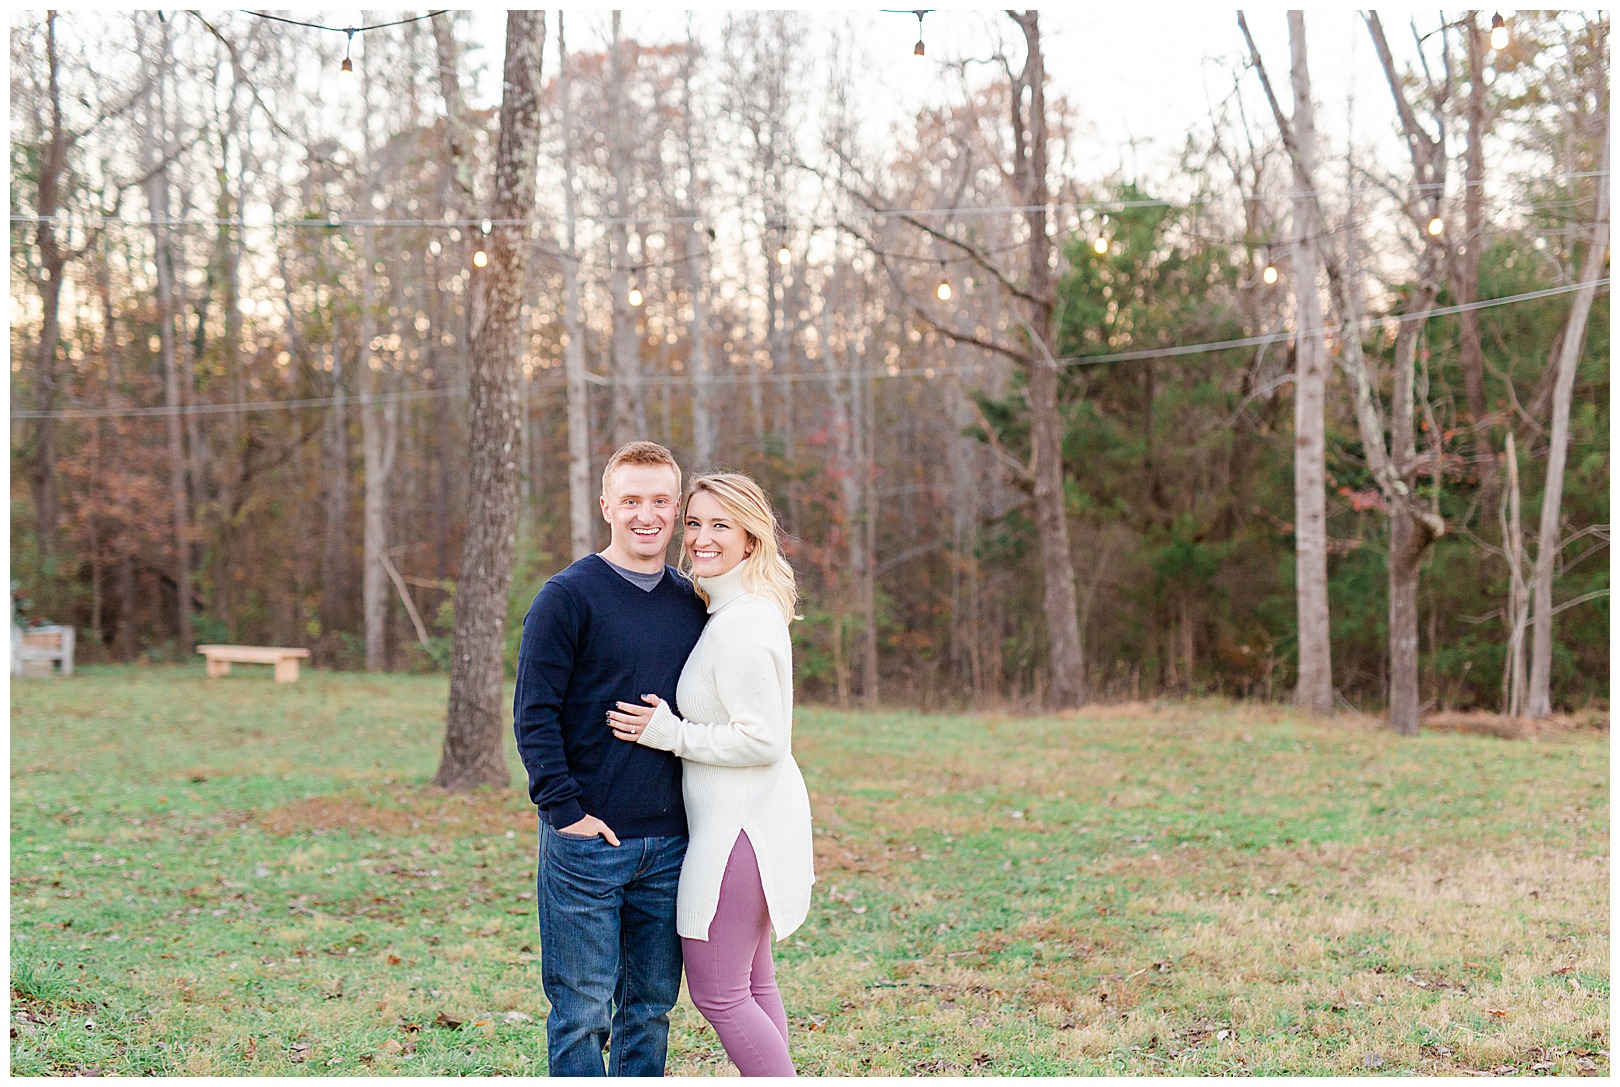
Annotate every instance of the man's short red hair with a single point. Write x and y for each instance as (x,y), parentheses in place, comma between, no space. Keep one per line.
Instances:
(640,453)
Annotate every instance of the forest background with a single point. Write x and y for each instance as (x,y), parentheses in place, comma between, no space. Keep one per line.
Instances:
(244,305)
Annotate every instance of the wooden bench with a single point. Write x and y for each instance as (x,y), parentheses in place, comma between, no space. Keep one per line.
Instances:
(221,657)
(37,650)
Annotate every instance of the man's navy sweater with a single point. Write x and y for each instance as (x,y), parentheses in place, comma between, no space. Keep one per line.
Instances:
(591,639)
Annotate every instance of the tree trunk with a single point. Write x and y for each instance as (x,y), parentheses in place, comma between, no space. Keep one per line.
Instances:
(697,279)
(475,726)
(1540,701)
(1465,262)
(1065,687)
(124,639)
(157,191)
(334,609)
(377,432)
(629,407)
(231,471)
(1407,543)
(864,446)
(582,517)
(1408,538)
(1314,691)
(1413,526)
(53,262)
(1518,605)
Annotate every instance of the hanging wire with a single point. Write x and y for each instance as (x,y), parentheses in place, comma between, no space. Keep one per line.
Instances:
(793,378)
(349,30)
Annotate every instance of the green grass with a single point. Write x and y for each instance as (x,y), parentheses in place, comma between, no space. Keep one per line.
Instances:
(234,877)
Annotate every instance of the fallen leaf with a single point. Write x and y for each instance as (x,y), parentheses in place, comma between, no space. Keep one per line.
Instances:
(251,1050)
(300,1052)
(394,960)
(1499,1013)
(391,1046)
(443,1020)
(516,1017)
(1372,1060)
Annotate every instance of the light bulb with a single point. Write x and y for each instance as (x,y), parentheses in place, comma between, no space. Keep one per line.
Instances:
(635,296)
(1270,274)
(486,226)
(784,256)
(943,291)
(480,259)
(918,50)
(1100,246)
(1436,226)
(1499,32)
(347,71)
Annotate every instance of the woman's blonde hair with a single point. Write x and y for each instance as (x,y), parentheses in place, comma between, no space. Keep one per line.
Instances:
(766,571)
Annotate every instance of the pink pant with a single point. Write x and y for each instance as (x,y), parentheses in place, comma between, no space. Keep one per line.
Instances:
(731,977)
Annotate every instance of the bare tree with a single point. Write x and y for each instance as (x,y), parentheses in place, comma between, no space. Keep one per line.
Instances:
(1066,681)
(378,437)
(697,272)
(1413,524)
(1314,690)
(1547,541)
(157,198)
(629,405)
(1411,535)
(1518,605)
(53,260)
(1463,267)
(581,504)
(473,753)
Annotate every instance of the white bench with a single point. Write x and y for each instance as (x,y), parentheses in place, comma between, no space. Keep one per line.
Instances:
(36,650)
(221,657)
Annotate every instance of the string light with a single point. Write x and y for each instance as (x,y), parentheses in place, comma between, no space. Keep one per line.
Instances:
(917,50)
(943,291)
(1270,274)
(1436,227)
(486,226)
(1100,246)
(784,255)
(346,69)
(480,259)
(1499,32)
(414,395)
(635,296)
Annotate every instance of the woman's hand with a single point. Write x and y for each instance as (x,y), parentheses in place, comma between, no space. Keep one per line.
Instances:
(628,721)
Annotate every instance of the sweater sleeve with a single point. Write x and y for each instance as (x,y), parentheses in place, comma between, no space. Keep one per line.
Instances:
(545,663)
(756,733)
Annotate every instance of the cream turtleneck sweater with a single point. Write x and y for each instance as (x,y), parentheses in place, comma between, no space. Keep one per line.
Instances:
(737,769)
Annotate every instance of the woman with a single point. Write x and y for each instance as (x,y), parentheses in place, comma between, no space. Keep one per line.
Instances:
(749,864)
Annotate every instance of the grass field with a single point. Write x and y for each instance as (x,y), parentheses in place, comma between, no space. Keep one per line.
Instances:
(234,877)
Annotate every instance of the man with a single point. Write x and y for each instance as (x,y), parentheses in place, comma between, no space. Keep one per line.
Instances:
(614,625)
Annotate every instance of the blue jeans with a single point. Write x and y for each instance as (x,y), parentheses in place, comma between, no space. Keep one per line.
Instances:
(610,959)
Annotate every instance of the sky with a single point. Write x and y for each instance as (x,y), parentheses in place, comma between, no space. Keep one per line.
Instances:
(1140,77)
